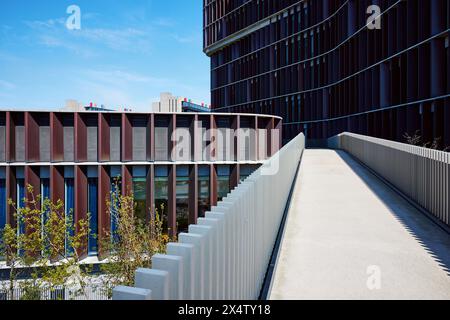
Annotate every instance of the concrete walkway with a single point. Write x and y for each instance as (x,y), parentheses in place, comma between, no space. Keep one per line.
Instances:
(347,232)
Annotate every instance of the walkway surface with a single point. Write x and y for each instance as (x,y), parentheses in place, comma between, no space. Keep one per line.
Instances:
(349,236)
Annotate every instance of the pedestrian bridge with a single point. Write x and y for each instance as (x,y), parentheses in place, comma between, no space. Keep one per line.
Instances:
(348,235)
(364,218)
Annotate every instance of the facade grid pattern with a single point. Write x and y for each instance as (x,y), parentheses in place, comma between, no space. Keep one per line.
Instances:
(318,66)
(77,157)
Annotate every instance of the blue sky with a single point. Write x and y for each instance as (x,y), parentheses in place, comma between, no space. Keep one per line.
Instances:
(125,54)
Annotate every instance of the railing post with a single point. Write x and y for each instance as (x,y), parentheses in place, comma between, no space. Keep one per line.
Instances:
(174,266)
(229,246)
(187,252)
(198,257)
(155,280)
(130,293)
(221,254)
(206,232)
(216,248)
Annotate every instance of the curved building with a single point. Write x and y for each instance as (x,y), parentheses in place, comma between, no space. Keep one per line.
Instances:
(318,65)
(184,162)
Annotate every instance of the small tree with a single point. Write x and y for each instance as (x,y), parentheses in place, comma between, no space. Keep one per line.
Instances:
(44,242)
(416,140)
(133,242)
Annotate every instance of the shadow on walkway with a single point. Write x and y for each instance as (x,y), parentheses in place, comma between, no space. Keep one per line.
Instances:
(429,235)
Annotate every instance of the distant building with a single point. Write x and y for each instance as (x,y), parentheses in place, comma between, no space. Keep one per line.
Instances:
(75,106)
(93,107)
(167,103)
(171,103)
(189,106)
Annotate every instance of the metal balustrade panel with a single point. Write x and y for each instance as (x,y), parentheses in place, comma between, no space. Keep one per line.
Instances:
(233,244)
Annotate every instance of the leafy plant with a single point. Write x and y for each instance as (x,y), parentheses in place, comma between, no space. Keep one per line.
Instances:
(44,242)
(133,242)
(416,140)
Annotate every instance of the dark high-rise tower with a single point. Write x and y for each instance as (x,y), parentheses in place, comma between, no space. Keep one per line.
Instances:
(318,65)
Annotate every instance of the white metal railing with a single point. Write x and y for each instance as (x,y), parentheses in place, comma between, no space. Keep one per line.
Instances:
(422,174)
(226,255)
(59,293)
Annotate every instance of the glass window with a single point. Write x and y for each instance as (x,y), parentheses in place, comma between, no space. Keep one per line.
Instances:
(223,181)
(20,202)
(116,186)
(2,207)
(45,188)
(162,193)
(45,194)
(140,192)
(20,191)
(93,219)
(203,190)
(69,202)
(182,192)
(2,198)
(246,171)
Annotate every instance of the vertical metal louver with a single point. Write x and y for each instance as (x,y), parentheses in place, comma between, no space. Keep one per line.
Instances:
(225,140)
(92,142)
(44,143)
(262,144)
(244,144)
(161,144)
(204,154)
(139,144)
(161,139)
(69,144)
(115,138)
(114,133)
(20,143)
(91,123)
(92,139)
(183,148)
(204,140)
(139,124)
(2,137)
(2,143)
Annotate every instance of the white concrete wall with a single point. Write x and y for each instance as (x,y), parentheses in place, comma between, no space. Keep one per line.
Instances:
(421,174)
(227,254)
